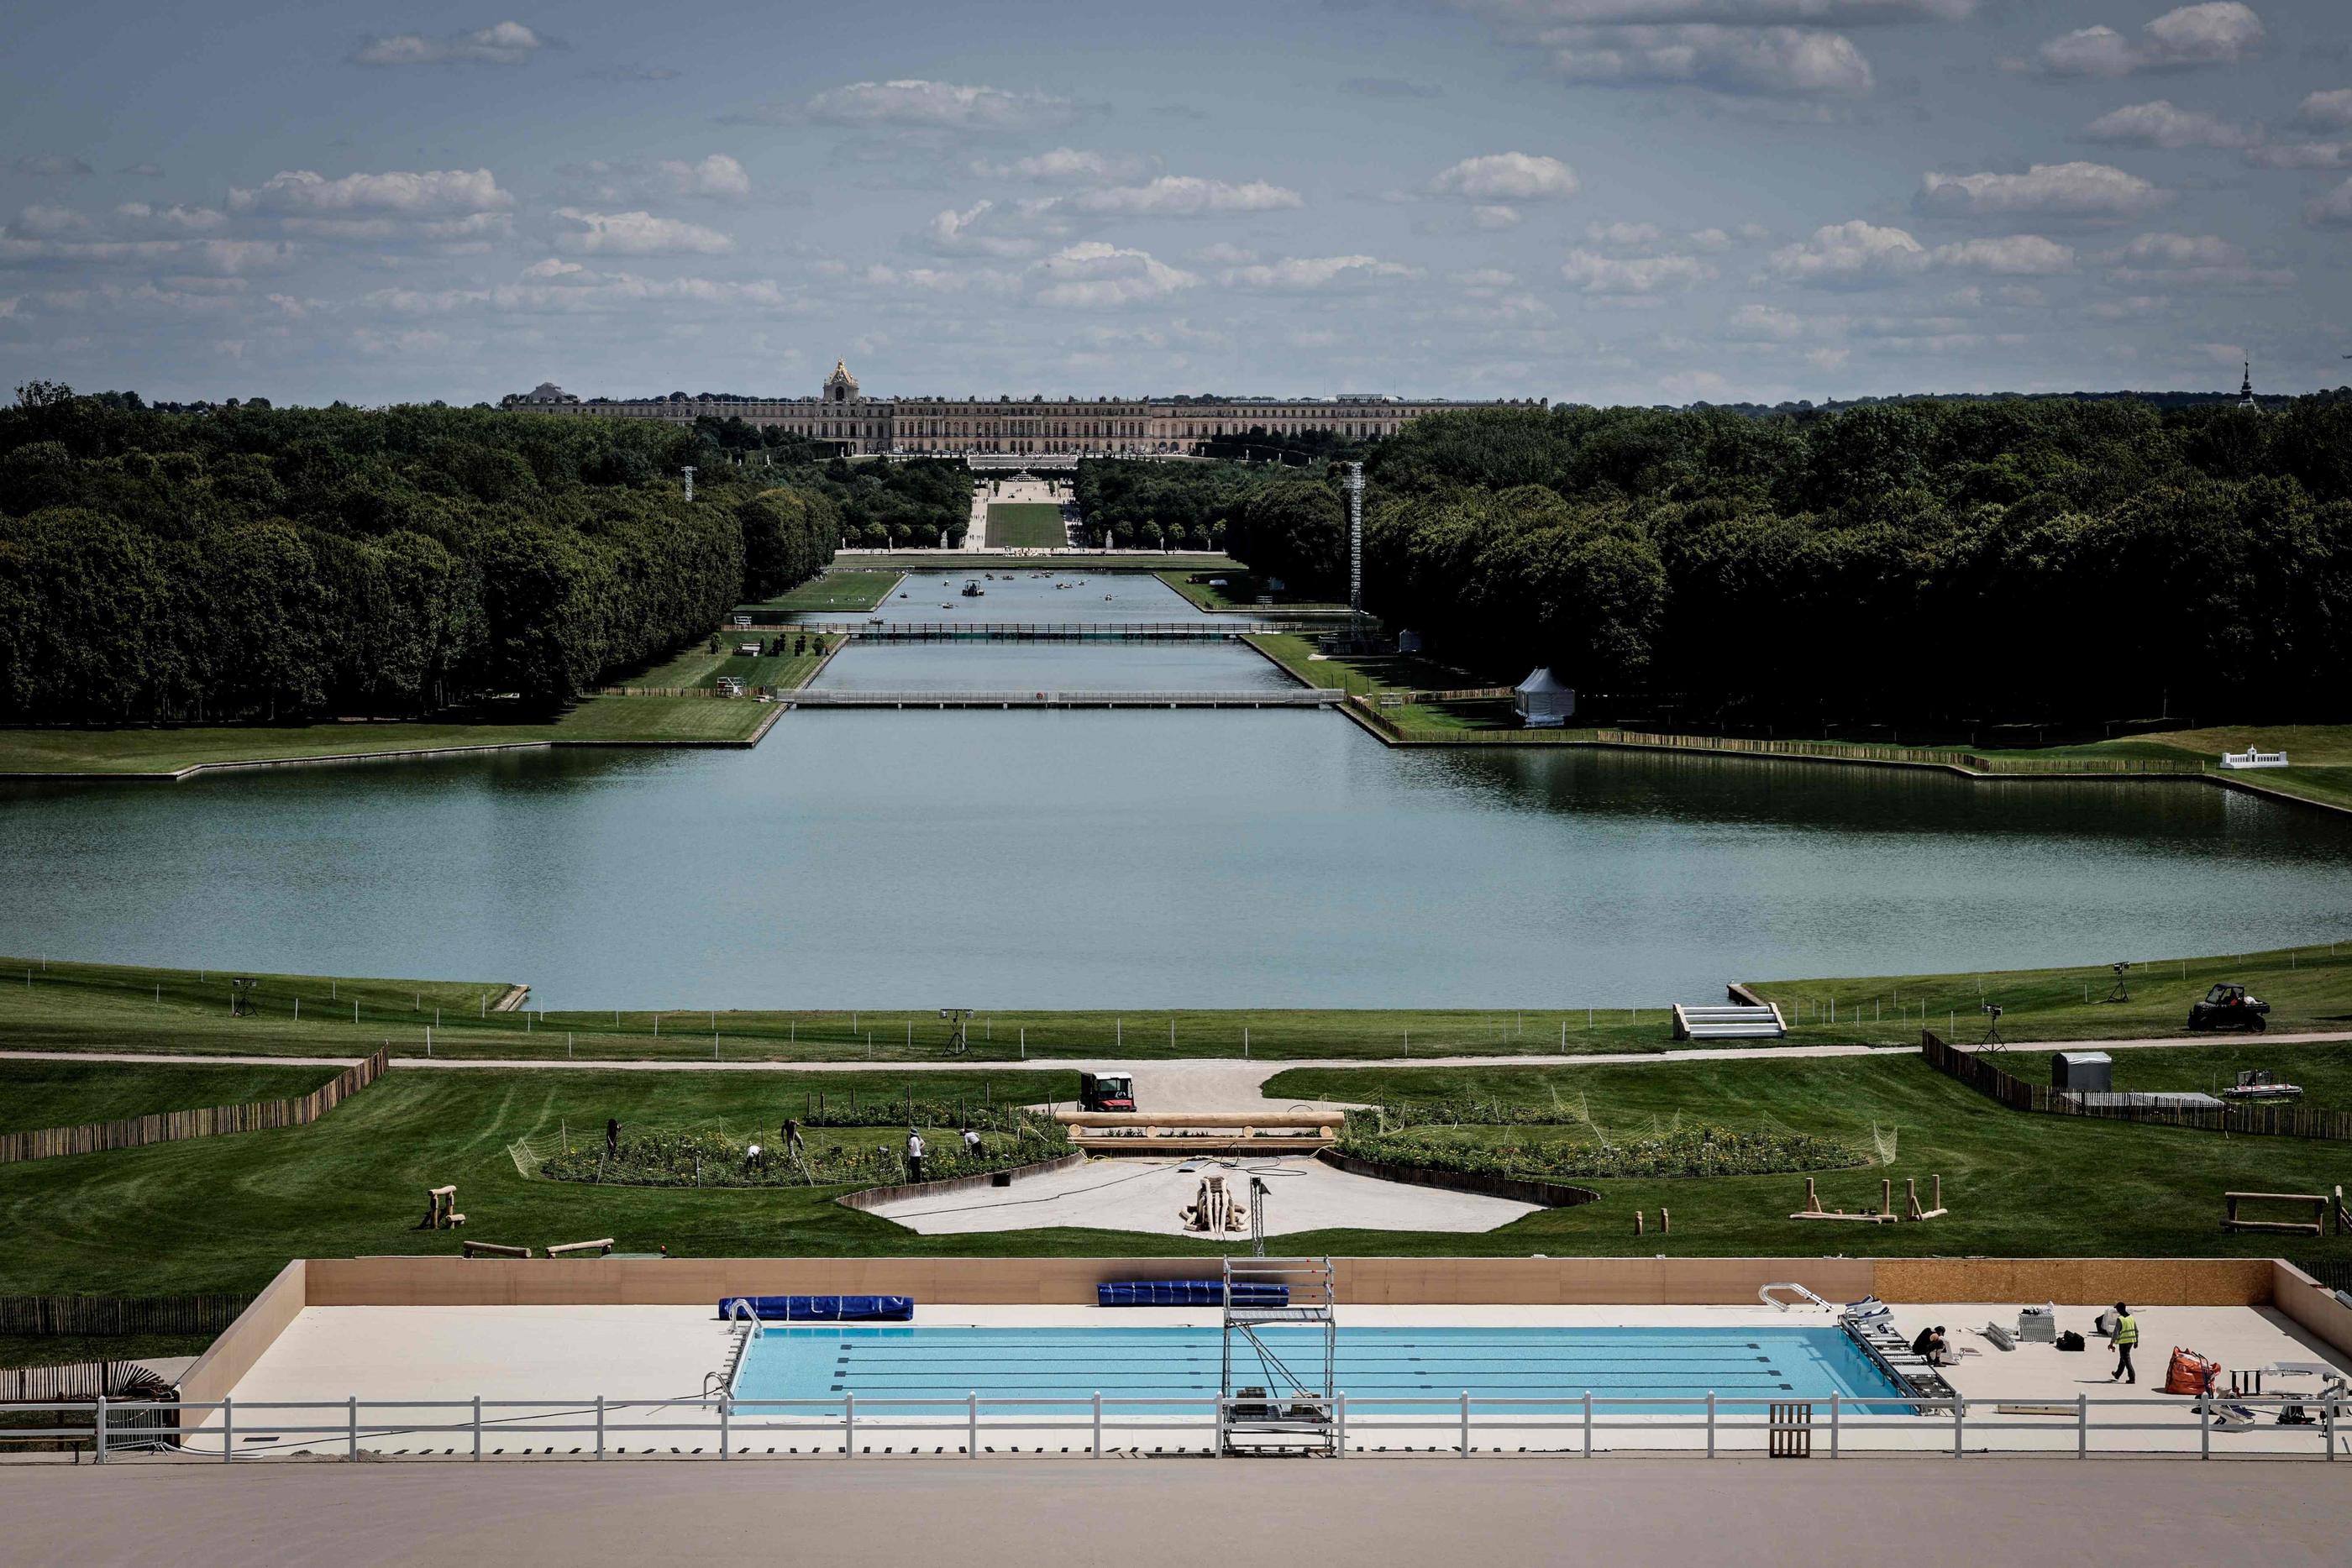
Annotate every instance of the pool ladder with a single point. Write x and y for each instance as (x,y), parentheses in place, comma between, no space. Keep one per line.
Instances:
(739,1312)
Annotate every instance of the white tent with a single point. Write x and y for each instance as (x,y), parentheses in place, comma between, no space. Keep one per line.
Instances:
(1543,702)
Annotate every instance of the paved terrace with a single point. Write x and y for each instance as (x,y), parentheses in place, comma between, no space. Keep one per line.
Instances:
(1629,1512)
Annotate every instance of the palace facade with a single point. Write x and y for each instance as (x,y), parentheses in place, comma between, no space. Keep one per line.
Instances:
(845,418)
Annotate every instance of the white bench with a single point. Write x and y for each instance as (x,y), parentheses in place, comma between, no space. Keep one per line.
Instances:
(1729,1022)
(2253,758)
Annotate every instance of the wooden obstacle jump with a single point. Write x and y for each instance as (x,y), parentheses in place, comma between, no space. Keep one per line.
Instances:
(2324,1207)
(476,1248)
(1885,1213)
(601,1246)
(440,1209)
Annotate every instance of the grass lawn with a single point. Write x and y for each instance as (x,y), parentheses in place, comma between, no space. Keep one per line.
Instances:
(64,1350)
(1372,673)
(1241,592)
(700,667)
(590,721)
(222,1214)
(1026,525)
(2321,755)
(2309,990)
(96,1007)
(65,1094)
(2018,1185)
(834,590)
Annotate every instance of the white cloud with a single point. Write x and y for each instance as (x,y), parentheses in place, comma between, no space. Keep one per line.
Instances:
(1589,272)
(935,281)
(1298,272)
(1485,278)
(1066,165)
(1224,253)
(716,177)
(1092,275)
(2191,261)
(173,219)
(2060,190)
(2220,32)
(46,220)
(635,234)
(1748,13)
(2330,110)
(978,230)
(429,193)
(577,291)
(50,166)
(500,44)
(2131,306)
(1764,323)
(1623,236)
(1493,215)
(1850,254)
(2010,255)
(2302,155)
(2160,124)
(937,104)
(1770,61)
(1506,177)
(1184,195)
(2334,207)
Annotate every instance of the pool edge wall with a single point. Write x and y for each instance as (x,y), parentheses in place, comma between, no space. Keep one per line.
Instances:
(430,1282)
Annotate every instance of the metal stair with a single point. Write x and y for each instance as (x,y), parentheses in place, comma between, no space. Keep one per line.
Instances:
(1280,1362)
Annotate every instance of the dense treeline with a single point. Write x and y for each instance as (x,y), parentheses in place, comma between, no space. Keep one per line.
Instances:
(258,562)
(915,504)
(1966,561)
(1161,505)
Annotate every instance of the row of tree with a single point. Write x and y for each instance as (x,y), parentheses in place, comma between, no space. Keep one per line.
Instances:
(1964,561)
(916,504)
(273,563)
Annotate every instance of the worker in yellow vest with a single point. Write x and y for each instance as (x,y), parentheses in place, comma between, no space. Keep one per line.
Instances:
(2126,1336)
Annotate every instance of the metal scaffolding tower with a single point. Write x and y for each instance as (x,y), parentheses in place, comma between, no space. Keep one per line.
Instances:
(1280,1362)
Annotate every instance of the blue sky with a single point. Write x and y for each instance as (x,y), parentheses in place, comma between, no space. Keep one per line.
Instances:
(1593,200)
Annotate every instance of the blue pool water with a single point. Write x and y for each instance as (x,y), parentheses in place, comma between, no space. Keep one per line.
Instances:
(825,1362)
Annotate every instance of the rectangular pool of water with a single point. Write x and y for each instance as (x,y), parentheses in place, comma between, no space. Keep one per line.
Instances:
(828,1361)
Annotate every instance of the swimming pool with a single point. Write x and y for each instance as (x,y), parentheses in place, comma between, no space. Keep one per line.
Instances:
(828,1361)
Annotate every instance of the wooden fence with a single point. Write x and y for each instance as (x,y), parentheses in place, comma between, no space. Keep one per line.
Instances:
(2257,1119)
(1833,752)
(74,1380)
(107,1315)
(170,1126)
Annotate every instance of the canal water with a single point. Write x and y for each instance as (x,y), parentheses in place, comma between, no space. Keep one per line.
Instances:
(1159,858)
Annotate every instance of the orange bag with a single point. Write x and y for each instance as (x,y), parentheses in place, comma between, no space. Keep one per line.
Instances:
(2191,1373)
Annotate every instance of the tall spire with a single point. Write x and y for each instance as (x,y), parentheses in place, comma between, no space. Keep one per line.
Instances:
(2246,388)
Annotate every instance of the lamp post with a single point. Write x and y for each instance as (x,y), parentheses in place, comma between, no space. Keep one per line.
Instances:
(689,482)
(1355,487)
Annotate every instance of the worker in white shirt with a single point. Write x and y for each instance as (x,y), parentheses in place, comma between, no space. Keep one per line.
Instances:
(971,1142)
(914,1155)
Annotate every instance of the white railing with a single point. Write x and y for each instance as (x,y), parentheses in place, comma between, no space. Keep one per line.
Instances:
(1280,697)
(1458,1425)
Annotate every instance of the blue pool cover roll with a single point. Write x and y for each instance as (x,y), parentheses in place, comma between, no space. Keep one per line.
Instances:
(823,1309)
(1187,1293)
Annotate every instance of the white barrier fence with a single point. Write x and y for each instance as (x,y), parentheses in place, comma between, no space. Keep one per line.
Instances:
(1460,1426)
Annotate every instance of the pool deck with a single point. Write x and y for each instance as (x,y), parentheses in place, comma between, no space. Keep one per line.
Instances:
(663,1352)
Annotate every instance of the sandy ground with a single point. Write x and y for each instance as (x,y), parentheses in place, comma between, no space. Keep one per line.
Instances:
(1366,1513)
(571,1355)
(1132,1194)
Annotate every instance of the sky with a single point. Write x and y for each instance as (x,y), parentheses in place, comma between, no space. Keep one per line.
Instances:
(1591,201)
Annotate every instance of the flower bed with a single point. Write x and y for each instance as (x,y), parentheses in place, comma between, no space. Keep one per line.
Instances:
(721,1159)
(1685,1152)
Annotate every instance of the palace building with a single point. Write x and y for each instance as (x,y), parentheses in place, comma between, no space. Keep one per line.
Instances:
(851,422)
